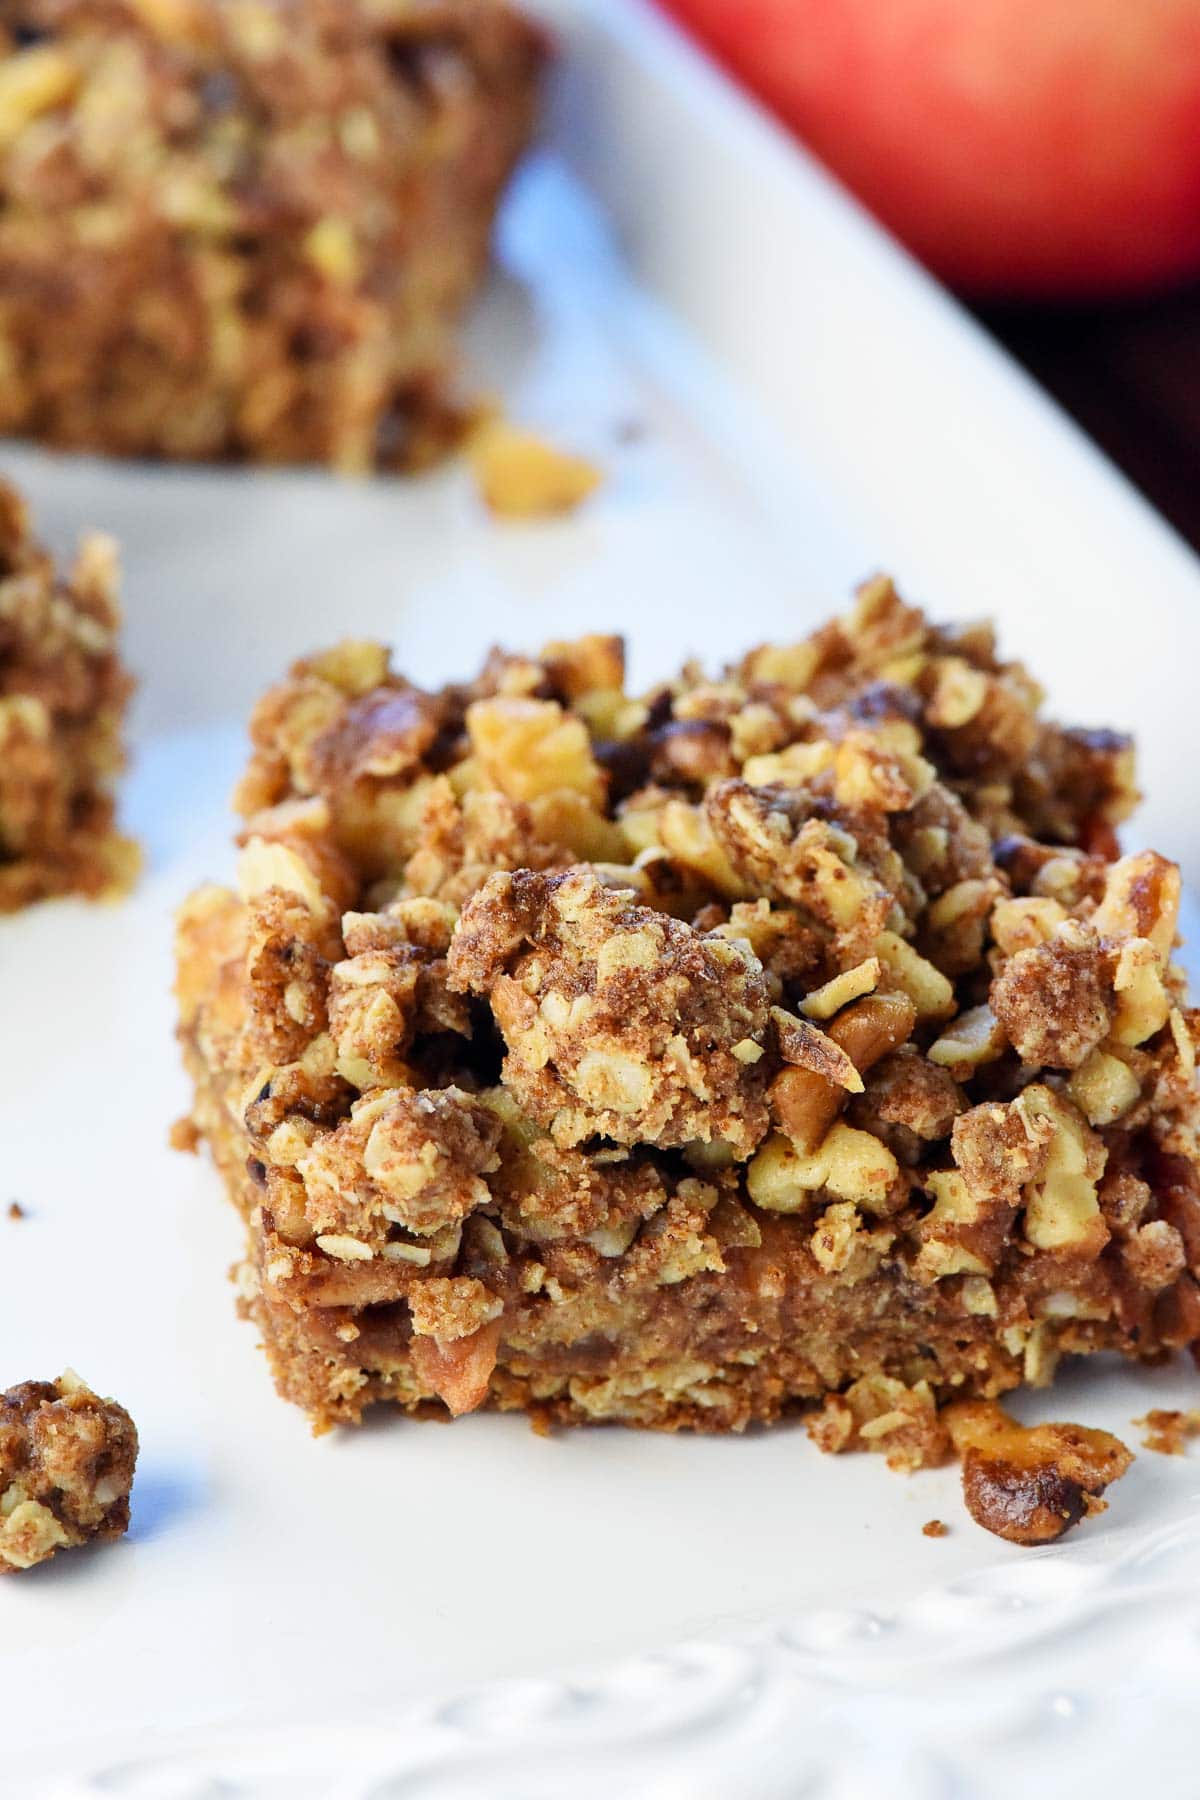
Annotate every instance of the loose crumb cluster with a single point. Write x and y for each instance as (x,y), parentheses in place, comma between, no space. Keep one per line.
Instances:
(791,1037)
(63,693)
(1031,1483)
(1169,1431)
(247,228)
(66,1470)
(521,476)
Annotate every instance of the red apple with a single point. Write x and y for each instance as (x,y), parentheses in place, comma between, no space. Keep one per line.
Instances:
(1017,146)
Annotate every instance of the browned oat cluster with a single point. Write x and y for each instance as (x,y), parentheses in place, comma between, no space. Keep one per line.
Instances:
(63,693)
(792,1037)
(247,227)
(66,1470)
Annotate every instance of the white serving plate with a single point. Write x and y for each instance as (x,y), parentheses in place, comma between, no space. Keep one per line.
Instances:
(300,1618)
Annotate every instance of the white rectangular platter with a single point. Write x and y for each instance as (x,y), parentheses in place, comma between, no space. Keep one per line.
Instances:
(781,403)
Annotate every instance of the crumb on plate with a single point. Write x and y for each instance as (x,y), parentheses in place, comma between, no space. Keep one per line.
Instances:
(1031,1483)
(1167,1430)
(66,1469)
(522,476)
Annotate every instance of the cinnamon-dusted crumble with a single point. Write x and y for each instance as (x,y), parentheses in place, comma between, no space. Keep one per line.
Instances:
(667,1058)
(247,228)
(66,1470)
(63,693)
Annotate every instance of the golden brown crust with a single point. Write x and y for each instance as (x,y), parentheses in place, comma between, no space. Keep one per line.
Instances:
(66,1470)
(63,694)
(667,1058)
(247,227)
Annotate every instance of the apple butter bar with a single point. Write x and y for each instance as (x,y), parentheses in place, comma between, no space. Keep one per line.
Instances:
(246,228)
(63,692)
(794,1038)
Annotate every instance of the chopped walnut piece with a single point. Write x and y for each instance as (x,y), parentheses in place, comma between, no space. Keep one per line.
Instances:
(1030,1484)
(456,1327)
(1168,1431)
(66,1470)
(521,476)
(935,1528)
(618,1020)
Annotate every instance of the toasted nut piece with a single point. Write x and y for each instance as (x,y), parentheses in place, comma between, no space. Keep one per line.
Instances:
(263,865)
(928,989)
(686,835)
(592,664)
(1062,1211)
(848,1164)
(781,665)
(31,82)
(959,692)
(974,1037)
(802,1044)
(1023,923)
(955,1206)
(850,985)
(1143,1004)
(793,766)
(521,476)
(805,1104)
(1141,900)
(1103,1088)
(1030,1484)
(530,748)
(1185,1047)
(874,1027)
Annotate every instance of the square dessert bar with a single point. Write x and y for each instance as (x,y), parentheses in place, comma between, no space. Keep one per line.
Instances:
(63,693)
(246,228)
(796,1037)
